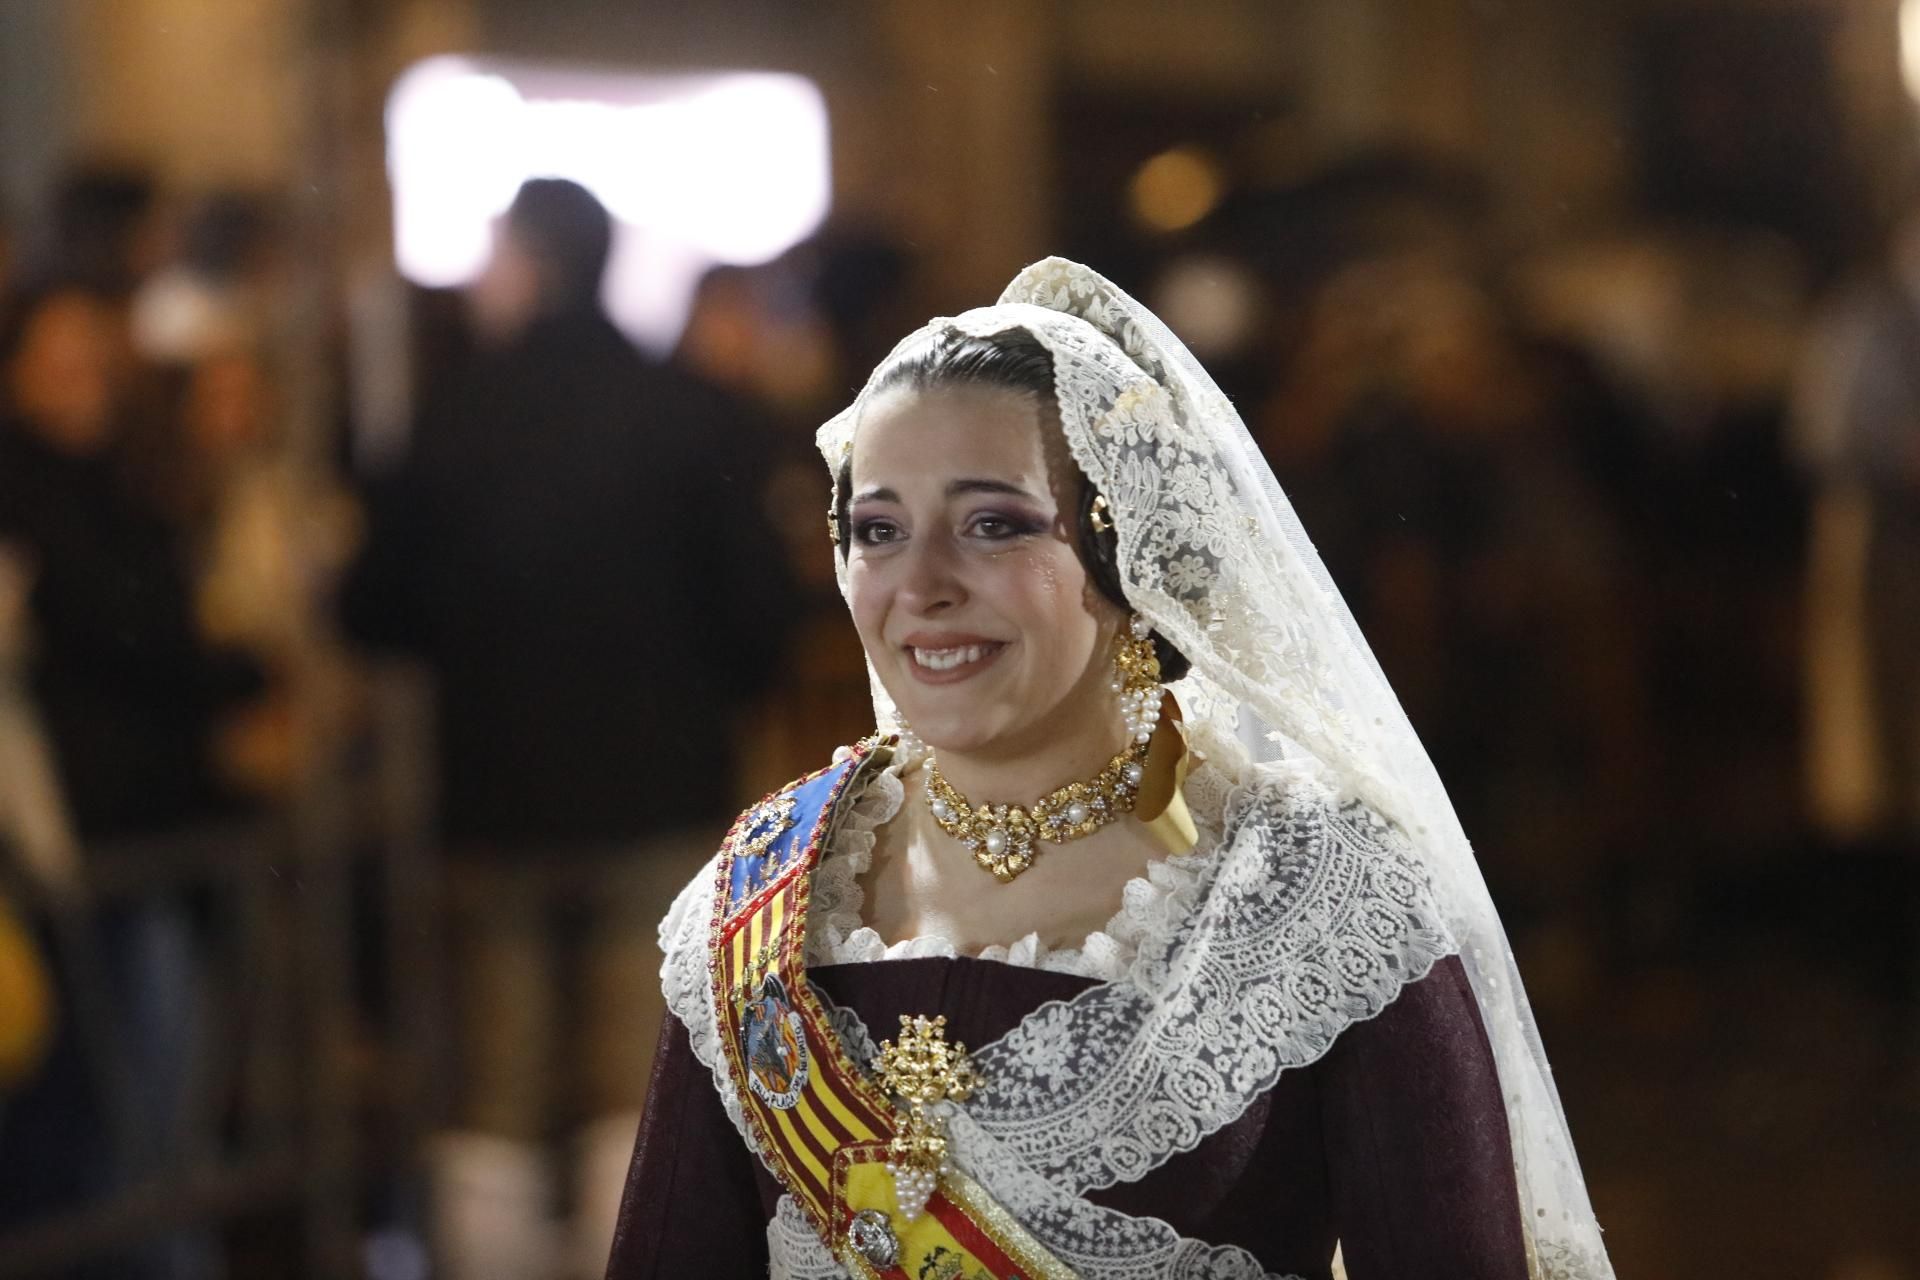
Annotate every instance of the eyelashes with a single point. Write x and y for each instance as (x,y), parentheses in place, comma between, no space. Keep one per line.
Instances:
(1002,528)
(987,526)
(874,533)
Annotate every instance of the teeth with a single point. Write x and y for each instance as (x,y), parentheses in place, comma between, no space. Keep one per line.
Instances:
(948,659)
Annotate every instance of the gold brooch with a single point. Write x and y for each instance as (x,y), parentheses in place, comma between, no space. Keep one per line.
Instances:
(767,823)
(922,1069)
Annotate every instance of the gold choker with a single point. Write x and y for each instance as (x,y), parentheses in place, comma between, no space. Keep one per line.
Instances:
(1003,838)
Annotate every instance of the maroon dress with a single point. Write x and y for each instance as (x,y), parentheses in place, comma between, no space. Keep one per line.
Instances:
(1394,1143)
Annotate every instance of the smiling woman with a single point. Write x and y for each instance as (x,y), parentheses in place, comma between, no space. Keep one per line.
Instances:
(1159,844)
(963,579)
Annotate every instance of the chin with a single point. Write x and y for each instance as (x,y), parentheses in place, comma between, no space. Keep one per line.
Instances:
(956,729)
(949,733)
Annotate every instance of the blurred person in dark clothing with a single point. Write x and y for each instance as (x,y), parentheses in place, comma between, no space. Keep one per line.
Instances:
(266,536)
(1481,547)
(574,546)
(128,690)
(757,336)
(128,696)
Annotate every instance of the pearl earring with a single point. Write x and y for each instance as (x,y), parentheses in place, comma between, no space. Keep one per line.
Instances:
(909,747)
(1137,680)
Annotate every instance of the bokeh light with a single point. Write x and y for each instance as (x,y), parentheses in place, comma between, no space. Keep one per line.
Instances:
(1176,189)
(696,169)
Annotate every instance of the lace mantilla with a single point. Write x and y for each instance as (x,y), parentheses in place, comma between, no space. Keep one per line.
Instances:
(1212,554)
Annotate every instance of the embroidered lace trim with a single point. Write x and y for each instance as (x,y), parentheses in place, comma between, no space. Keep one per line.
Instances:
(796,1253)
(683,978)
(1311,917)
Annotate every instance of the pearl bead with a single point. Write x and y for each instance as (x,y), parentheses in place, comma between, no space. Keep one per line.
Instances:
(1076,813)
(996,842)
(942,810)
(1134,773)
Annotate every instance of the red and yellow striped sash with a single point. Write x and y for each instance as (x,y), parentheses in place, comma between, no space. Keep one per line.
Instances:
(821,1121)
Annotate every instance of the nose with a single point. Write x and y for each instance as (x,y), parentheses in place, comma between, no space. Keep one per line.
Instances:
(931,580)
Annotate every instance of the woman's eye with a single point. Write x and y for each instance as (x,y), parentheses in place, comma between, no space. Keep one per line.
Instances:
(995,528)
(875,532)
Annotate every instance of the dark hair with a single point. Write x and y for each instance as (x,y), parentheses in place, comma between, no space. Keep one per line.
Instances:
(1013,360)
(226,232)
(98,213)
(568,231)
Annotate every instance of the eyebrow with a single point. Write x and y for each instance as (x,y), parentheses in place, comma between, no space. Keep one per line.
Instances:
(954,489)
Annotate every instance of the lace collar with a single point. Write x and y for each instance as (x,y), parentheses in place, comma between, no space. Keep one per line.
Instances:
(1152,904)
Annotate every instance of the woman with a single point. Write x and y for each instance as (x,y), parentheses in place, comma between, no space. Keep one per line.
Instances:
(1234,990)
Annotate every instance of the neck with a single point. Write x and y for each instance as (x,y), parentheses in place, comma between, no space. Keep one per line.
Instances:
(1021,772)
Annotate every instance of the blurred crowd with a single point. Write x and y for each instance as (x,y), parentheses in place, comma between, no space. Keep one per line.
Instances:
(1633,524)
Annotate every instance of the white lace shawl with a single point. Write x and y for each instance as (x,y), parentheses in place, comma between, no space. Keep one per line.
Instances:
(1299,913)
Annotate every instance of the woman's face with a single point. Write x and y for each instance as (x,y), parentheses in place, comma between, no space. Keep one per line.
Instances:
(965,587)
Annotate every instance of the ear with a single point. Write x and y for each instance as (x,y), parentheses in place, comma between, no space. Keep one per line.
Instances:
(1109,616)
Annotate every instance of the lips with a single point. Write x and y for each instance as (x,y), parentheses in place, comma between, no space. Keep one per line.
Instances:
(945,660)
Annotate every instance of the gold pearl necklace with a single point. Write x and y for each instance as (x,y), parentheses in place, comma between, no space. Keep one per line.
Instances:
(1003,838)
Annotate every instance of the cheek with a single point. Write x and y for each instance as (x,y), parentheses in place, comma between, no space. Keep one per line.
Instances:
(1049,593)
(865,600)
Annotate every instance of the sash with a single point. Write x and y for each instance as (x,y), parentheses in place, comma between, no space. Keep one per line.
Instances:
(825,1126)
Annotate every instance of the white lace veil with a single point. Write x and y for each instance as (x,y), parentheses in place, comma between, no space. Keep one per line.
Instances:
(1213,556)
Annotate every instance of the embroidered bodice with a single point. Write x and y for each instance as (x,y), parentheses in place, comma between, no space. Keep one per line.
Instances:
(1259,1016)
(1299,914)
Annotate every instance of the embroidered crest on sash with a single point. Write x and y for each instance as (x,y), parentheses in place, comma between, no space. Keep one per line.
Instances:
(765,823)
(776,1046)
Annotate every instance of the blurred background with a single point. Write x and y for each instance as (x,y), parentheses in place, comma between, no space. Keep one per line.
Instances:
(407,570)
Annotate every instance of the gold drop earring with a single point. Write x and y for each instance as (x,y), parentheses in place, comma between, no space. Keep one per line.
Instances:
(1136,678)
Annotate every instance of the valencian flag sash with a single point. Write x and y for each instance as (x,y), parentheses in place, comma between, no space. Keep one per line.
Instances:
(824,1125)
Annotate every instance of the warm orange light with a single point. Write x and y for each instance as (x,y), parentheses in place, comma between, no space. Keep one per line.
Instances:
(1177,188)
